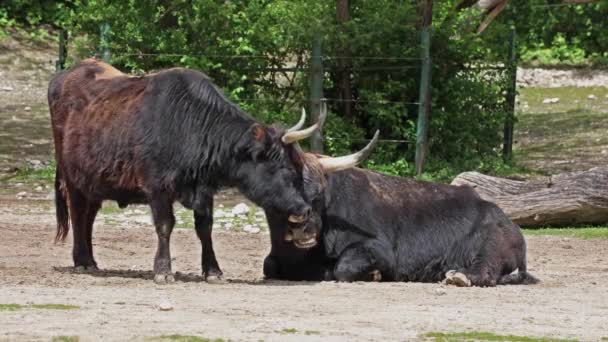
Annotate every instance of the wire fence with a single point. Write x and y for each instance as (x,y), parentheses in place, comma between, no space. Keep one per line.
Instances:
(400,66)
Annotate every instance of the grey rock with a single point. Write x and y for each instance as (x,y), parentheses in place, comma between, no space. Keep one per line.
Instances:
(165,305)
(240,209)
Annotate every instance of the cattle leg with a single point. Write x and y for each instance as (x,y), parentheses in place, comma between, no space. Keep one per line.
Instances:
(367,261)
(164,220)
(452,277)
(91,213)
(203,223)
(272,267)
(82,252)
(482,273)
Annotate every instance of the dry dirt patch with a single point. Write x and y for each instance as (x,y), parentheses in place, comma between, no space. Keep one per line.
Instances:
(121,302)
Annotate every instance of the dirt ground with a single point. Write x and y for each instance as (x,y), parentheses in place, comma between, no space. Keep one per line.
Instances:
(121,301)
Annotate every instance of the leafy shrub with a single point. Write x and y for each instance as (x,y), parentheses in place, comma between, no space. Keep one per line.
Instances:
(238,44)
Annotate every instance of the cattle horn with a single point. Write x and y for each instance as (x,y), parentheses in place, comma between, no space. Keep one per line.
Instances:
(300,123)
(351,160)
(295,133)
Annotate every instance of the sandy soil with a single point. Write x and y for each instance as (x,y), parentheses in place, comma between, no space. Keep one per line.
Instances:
(121,301)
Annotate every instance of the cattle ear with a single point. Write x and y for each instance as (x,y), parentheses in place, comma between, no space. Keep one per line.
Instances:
(259,134)
(258,146)
(253,142)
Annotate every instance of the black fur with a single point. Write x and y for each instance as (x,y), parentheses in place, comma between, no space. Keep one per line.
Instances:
(408,230)
(156,139)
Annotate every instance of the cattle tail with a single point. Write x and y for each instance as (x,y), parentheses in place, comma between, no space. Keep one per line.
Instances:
(61,208)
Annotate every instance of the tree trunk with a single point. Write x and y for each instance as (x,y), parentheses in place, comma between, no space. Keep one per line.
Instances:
(561,200)
(344,60)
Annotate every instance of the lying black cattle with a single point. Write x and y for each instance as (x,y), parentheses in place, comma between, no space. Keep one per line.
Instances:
(156,139)
(370,226)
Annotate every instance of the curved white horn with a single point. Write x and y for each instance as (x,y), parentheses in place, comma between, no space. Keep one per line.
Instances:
(292,136)
(300,123)
(340,163)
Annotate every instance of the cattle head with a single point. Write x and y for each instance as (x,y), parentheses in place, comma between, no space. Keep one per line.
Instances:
(304,233)
(269,167)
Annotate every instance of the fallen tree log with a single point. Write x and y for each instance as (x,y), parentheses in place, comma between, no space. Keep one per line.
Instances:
(565,199)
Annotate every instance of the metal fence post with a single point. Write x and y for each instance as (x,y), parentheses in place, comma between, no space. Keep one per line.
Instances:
(316,91)
(104,43)
(507,147)
(424,107)
(63,51)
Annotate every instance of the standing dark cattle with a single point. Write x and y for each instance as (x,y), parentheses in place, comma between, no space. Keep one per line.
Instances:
(370,226)
(156,139)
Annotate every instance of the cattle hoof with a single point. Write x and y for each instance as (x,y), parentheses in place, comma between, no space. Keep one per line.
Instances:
(376,275)
(457,279)
(163,279)
(215,279)
(85,269)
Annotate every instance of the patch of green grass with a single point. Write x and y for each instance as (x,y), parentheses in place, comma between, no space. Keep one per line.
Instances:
(579,233)
(29,174)
(14,307)
(312,332)
(54,306)
(185,217)
(65,339)
(109,208)
(10,307)
(564,136)
(189,338)
(289,331)
(570,98)
(485,336)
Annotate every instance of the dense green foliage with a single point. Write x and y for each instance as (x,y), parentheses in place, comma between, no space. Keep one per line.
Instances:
(551,33)
(243,45)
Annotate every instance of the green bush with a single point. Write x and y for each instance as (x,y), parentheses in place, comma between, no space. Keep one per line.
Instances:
(238,44)
(35,12)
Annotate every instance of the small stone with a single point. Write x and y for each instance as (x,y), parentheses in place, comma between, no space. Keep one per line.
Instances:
(39,188)
(240,209)
(165,306)
(143,220)
(551,100)
(592,97)
(21,194)
(7,88)
(228,225)
(251,229)
(604,152)
(220,205)
(440,291)
(27,109)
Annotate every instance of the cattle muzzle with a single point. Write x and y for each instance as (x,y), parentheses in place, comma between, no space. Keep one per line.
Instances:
(299,234)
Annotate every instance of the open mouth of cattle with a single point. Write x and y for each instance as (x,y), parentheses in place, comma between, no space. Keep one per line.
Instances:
(305,244)
(301,239)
